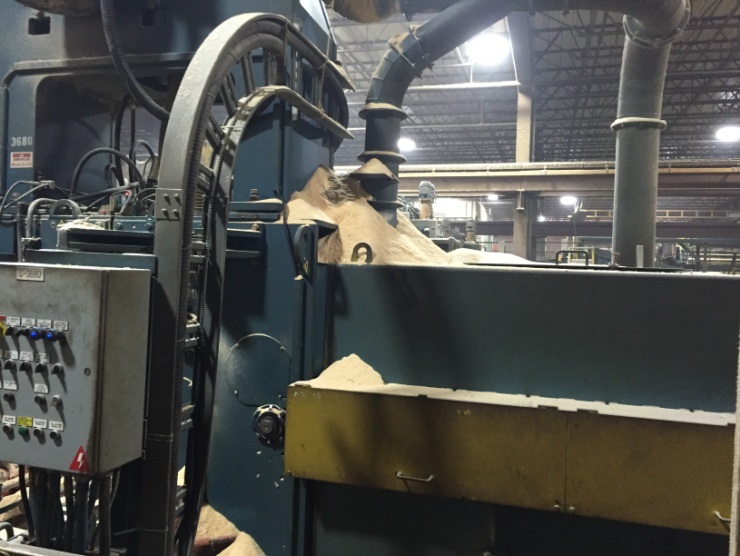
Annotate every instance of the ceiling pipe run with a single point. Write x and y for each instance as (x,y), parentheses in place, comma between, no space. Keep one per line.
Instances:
(650,25)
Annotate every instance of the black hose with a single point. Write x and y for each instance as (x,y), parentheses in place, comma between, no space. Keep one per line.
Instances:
(69,494)
(117,127)
(104,510)
(102,150)
(103,192)
(8,528)
(141,143)
(24,500)
(112,38)
(132,142)
(79,541)
(9,190)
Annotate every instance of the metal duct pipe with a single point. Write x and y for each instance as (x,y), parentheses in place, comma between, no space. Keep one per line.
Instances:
(650,25)
(408,57)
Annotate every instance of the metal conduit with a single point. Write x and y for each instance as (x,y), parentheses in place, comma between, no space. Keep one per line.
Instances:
(651,26)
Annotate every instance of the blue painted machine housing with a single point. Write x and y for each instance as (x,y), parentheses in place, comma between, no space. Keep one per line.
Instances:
(59,92)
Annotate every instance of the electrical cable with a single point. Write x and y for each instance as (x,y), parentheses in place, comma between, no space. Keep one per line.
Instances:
(79,541)
(141,143)
(104,516)
(102,150)
(69,493)
(10,189)
(104,192)
(132,140)
(25,502)
(113,39)
(117,127)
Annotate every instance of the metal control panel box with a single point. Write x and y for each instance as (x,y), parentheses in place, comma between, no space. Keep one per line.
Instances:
(73,359)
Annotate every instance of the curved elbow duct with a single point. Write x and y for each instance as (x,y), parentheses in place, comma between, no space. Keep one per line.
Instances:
(650,25)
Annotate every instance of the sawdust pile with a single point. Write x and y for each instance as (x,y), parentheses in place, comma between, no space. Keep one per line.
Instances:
(244,545)
(213,525)
(348,371)
(343,202)
(463,256)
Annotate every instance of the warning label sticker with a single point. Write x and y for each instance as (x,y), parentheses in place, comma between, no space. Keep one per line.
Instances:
(21,160)
(79,462)
(25,421)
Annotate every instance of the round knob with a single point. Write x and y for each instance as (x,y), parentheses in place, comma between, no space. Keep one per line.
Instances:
(8,397)
(268,423)
(23,431)
(26,366)
(38,433)
(56,401)
(35,333)
(9,365)
(57,369)
(19,331)
(7,429)
(40,399)
(54,435)
(55,335)
(41,368)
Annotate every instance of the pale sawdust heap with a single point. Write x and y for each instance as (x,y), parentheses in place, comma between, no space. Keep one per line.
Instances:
(344,203)
(213,525)
(462,256)
(348,371)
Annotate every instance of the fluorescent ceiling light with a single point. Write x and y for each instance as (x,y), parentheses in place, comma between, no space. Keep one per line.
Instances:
(488,49)
(405,144)
(568,200)
(728,134)
(492,197)
(541,218)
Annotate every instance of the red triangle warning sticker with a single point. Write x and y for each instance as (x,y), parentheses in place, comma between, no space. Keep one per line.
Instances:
(79,462)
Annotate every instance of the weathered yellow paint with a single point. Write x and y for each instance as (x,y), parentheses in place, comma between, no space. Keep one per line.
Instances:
(641,470)
(659,473)
(471,449)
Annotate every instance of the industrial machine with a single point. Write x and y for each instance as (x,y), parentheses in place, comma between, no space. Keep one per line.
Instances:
(161,312)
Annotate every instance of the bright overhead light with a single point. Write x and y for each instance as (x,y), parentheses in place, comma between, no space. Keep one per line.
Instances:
(541,218)
(492,197)
(488,49)
(568,201)
(405,144)
(728,134)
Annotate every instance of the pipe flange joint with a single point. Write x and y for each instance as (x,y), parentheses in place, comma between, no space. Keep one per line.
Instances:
(655,123)
(380,109)
(386,157)
(636,32)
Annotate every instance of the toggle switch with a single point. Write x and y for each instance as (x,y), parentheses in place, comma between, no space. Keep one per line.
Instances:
(55,335)
(9,365)
(40,399)
(57,369)
(35,333)
(41,368)
(26,366)
(8,397)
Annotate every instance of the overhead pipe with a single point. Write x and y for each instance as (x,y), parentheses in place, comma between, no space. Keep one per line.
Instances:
(650,25)
(410,54)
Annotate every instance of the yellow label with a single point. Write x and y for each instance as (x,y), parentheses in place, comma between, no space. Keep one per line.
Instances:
(25,421)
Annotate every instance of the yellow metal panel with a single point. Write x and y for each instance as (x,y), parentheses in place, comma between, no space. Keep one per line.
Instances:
(492,453)
(654,472)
